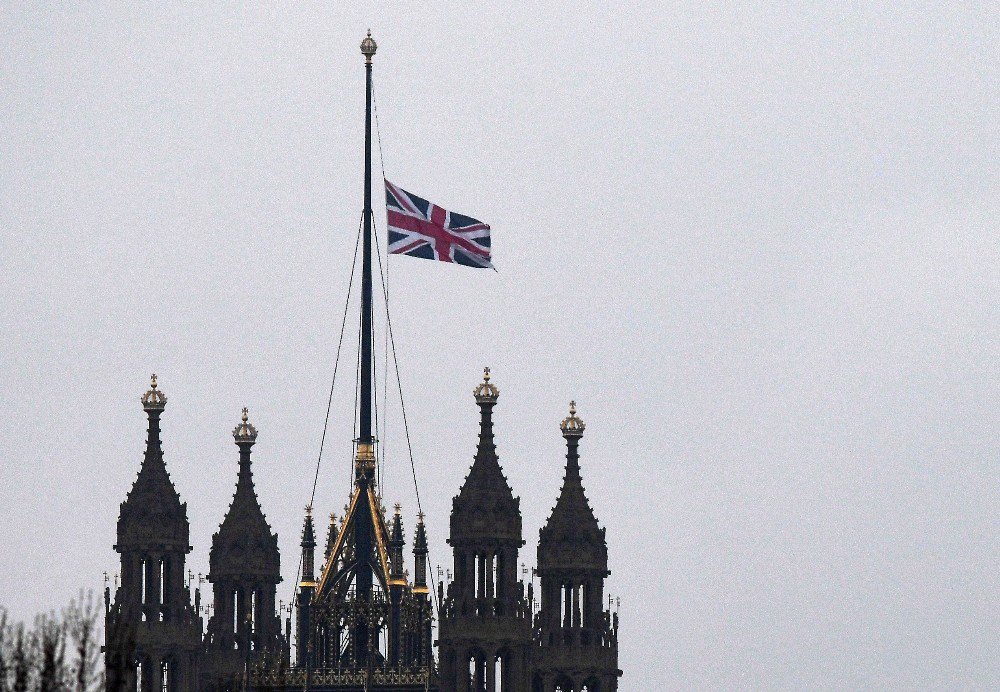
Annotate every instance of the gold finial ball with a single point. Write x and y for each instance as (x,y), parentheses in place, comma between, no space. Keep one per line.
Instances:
(154,399)
(245,433)
(486,392)
(368,47)
(572,426)
(309,510)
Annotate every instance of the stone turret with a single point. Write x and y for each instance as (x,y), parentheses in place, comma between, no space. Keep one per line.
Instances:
(577,645)
(152,633)
(245,569)
(485,623)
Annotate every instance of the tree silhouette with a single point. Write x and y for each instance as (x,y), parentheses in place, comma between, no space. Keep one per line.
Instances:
(35,660)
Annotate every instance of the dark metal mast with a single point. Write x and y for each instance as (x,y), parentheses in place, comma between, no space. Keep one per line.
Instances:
(365,429)
(364,523)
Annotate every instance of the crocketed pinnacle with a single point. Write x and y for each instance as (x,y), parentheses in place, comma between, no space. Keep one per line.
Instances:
(244,543)
(396,543)
(331,536)
(308,544)
(572,536)
(308,533)
(153,512)
(396,532)
(420,555)
(420,537)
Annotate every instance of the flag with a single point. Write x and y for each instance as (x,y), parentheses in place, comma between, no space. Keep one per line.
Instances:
(420,229)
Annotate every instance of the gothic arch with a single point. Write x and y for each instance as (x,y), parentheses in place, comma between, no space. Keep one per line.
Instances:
(503,682)
(143,674)
(564,684)
(475,663)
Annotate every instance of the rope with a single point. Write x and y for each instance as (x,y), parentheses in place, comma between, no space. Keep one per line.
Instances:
(385,395)
(406,426)
(384,274)
(378,130)
(357,393)
(385,288)
(336,364)
(329,401)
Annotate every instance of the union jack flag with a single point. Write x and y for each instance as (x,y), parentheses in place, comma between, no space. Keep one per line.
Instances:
(421,229)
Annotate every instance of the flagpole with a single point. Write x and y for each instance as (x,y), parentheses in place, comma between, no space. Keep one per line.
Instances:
(364,464)
(368,47)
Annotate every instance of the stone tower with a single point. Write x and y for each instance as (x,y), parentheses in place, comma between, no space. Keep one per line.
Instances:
(152,634)
(245,569)
(485,626)
(576,641)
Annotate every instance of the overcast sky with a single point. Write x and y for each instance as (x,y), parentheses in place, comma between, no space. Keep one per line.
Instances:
(756,242)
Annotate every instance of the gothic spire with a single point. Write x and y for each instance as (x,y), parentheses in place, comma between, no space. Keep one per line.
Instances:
(153,511)
(331,536)
(244,543)
(486,476)
(572,523)
(308,545)
(396,544)
(486,494)
(420,556)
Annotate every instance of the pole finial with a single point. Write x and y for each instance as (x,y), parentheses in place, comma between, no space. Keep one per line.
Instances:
(368,47)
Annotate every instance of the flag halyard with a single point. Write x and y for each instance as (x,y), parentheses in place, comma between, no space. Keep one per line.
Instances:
(419,228)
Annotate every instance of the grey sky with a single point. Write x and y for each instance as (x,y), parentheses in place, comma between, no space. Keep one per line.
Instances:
(757,243)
